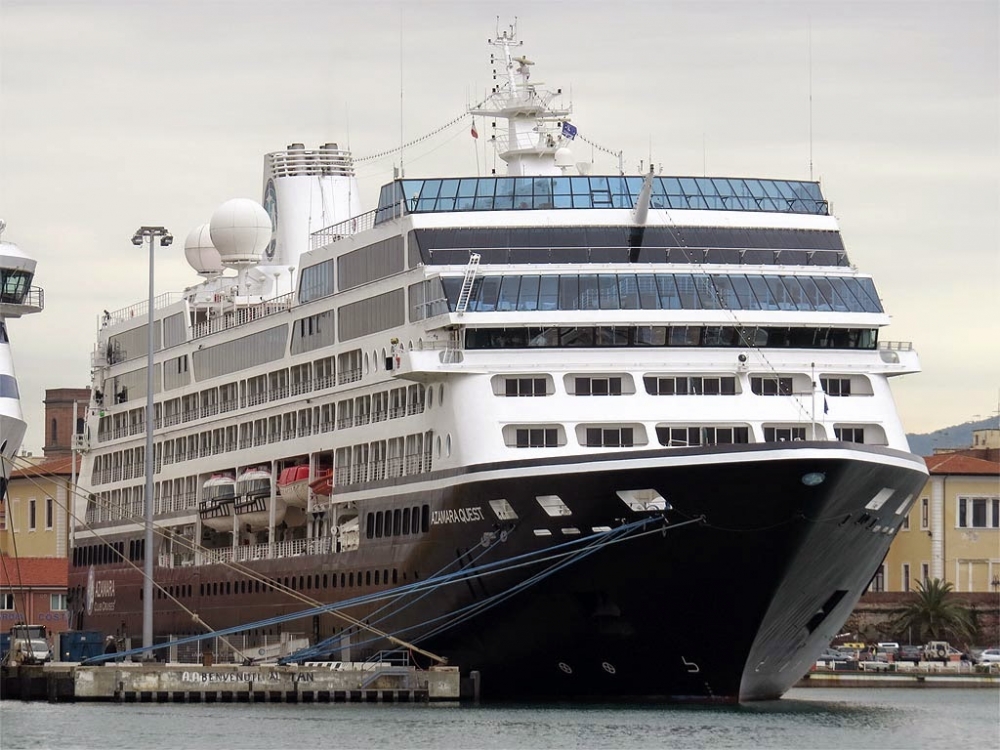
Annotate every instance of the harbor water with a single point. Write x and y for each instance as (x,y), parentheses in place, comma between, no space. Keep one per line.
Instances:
(816,718)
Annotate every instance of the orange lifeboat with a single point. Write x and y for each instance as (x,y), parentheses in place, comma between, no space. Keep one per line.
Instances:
(322,485)
(293,485)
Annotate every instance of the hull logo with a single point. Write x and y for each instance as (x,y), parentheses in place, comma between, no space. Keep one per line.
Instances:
(462,515)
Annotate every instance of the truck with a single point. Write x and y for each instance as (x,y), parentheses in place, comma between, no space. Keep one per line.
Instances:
(941,651)
(28,645)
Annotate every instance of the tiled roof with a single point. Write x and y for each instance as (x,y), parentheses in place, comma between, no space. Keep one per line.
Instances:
(33,571)
(956,463)
(51,467)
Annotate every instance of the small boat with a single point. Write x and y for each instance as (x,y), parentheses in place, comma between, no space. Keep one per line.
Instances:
(293,485)
(217,497)
(322,485)
(253,499)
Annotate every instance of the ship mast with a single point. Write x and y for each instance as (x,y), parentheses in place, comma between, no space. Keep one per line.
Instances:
(535,142)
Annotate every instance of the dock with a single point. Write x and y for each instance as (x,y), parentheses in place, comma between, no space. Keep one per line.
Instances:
(880,674)
(154,682)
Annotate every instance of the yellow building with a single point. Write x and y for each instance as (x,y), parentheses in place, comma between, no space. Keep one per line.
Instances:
(36,510)
(34,521)
(952,531)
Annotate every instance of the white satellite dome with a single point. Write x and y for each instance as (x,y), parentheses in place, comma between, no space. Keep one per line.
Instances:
(240,230)
(201,254)
(563,157)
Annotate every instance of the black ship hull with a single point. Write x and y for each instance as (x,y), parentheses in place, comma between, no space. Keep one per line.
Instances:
(726,587)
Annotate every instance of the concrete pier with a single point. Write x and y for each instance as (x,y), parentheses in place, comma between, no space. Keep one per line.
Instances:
(127,682)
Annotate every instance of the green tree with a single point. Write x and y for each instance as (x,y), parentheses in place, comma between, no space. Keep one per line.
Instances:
(934,614)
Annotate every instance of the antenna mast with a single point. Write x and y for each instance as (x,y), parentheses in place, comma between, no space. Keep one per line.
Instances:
(810,98)
(402,173)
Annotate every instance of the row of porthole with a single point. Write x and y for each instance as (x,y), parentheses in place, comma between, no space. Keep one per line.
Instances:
(293,583)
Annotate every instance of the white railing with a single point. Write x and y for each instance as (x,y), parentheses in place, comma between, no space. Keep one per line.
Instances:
(242,315)
(326,235)
(898,346)
(141,309)
(288,548)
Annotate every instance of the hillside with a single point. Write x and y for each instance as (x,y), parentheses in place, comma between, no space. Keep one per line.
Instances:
(956,436)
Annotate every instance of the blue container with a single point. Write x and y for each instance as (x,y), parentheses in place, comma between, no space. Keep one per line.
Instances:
(77,645)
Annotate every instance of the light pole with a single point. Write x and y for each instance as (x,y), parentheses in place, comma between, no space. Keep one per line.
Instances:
(165,238)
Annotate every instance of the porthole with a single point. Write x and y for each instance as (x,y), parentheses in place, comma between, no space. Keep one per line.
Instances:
(430,397)
(367,364)
(441,395)
(437,447)
(447,446)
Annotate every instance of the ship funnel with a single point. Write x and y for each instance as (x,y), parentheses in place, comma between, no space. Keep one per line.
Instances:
(305,190)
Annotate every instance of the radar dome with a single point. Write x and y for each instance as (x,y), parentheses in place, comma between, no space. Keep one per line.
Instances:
(563,157)
(240,231)
(201,253)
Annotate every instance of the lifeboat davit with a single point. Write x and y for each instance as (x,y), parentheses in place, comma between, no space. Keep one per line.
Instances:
(218,495)
(253,500)
(293,485)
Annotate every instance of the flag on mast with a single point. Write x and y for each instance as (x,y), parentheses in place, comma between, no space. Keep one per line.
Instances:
(474,132)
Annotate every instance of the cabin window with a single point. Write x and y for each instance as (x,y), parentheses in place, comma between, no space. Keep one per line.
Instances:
(525,387)
(783,434)
(606,386)
(777,385)
(536,437)
(836,386)
(681,437)
(850,434)
(609,437)
(694,385)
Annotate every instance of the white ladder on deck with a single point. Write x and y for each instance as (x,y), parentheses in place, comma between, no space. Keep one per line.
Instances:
(470,277)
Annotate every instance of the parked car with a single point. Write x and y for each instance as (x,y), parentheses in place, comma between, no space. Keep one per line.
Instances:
(836,655)
(990,656)
(909,653)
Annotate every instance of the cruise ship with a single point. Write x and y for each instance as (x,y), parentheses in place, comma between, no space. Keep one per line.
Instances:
(592,436)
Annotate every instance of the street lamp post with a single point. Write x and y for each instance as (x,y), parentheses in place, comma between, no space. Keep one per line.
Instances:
(165,238)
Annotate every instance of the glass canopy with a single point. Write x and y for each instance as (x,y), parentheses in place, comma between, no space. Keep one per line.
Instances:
(526,193)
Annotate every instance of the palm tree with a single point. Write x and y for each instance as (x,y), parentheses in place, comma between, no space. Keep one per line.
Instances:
(933,613)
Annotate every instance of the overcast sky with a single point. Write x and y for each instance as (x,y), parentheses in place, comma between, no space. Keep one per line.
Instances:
(118,114)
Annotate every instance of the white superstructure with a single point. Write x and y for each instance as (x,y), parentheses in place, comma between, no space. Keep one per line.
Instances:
(386,359)
(17,298)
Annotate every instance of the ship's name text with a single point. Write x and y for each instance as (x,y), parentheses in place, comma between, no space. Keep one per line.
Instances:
(245,677)
(462,515)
